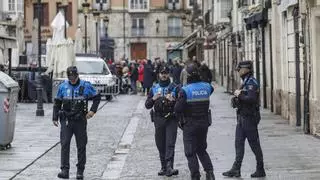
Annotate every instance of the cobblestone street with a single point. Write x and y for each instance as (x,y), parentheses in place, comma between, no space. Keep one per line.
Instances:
(121,145)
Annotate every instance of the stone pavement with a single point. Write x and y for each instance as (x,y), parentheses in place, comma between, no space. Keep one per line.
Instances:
(34,136)
(288,153)
(131,152)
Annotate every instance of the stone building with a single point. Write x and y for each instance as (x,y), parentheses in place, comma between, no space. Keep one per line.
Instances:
(282,39)
(143,29)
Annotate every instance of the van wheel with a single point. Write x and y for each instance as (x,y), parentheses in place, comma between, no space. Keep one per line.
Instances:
(109,97)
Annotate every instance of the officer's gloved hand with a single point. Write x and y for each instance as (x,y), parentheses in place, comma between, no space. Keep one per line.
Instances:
(180,125)
(55,123)
(90,114)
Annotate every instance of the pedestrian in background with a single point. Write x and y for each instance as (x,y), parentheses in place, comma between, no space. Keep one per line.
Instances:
(184,75)
(141,75)
(148,74)
(176,70)
(162,99)
(133,77)
(246,101)
(205,73)
(195,118)
(71,106)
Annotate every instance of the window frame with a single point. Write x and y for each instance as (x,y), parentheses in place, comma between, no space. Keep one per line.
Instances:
(12,5)
(179,2)
(137,28)
(172,25)
(133,8)
(45,18)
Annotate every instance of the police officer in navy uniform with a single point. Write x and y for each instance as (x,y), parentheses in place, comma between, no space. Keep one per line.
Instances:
(162,99)
(193,107)
(71,106)
(246,101)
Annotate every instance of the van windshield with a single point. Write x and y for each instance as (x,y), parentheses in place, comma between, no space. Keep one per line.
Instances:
(92,67)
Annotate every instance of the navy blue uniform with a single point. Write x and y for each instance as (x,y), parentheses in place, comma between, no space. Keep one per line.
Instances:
(71,106)
(193,103)
(165,122)
(248,118)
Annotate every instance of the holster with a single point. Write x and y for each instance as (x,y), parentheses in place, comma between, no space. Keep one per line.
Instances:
(209,117)
(152,114)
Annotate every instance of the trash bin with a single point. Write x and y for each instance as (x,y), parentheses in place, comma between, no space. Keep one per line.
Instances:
(9,90)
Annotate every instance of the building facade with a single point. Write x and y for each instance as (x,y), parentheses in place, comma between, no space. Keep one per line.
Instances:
(49,10)
(282,40)
(142,29)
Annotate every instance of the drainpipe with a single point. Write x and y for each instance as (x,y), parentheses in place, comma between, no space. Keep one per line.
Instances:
(124,29)
(264,74)
(307,81)
(297,59)
(271,69)
(257,54)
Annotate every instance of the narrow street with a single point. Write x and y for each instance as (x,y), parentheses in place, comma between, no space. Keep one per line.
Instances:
(121,145)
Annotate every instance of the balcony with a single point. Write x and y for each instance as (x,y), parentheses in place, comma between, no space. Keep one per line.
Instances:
(137,32)
(101,5)
(136,6)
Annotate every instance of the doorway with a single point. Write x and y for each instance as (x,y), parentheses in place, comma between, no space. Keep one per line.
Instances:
(138,51)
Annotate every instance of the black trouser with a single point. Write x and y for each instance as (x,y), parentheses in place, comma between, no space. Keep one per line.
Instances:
(195,145)
(165,137)
(247,129)
(79,129)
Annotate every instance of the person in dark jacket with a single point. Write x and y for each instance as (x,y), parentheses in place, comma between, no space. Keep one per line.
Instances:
(246,101)
(176,71)
(192,106)
(205,73)
(162,99)
(148,76)
(133,77)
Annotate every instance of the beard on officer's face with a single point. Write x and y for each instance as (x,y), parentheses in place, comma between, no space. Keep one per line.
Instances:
(243,71)
(164,76)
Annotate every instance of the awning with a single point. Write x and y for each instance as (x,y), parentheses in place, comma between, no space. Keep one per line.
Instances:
(7,42)
(186,40)
(256,18)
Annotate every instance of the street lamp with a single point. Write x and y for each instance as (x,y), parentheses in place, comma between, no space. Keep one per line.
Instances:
(64,5)
(85,7)
(39,111)
(96,15)
(157,25)
(106,23)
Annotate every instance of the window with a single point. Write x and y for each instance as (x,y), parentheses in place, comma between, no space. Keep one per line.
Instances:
(100,4)
(44,13)
(139,4)
(69,12)
(12,5)
(20,5)
(174,4)
(137,27)
(174,26)
(226,6)
(191,2)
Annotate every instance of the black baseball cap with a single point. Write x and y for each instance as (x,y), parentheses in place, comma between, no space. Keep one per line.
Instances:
(244,64)
(164,70)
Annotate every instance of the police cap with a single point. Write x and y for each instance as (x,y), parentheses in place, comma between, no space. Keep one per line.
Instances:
(72,71)
(244,64)
(164,70)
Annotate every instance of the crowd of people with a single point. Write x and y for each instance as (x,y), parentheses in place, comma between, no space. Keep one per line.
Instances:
(140,75)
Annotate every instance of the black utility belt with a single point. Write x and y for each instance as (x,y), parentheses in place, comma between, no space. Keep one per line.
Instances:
(72,115)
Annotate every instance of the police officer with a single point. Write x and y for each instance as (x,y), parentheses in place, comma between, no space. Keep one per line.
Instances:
(70,106)
(162,99)
(246,100)
(193,105)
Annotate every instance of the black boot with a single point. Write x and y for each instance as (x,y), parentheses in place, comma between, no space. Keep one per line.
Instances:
(259,172)
(162,171)
(233,172)
(210,175)
(195,177)
(79,174)
(64,174)
(170,171)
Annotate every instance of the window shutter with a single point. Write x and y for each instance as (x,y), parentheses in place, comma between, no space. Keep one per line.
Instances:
(45,14)
(69,14)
